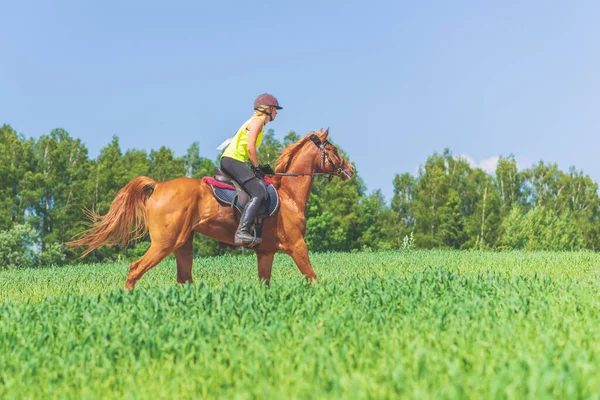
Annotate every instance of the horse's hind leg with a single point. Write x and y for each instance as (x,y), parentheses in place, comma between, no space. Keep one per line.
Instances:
(184,256)
(155,254)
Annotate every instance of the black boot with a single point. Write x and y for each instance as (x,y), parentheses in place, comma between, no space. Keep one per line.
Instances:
(243,235)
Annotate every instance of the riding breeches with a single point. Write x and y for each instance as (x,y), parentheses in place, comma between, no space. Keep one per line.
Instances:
(240,172)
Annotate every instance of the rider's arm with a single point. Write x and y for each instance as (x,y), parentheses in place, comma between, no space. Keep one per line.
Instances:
(254,128)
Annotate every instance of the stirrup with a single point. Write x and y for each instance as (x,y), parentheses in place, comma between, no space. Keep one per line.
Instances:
(254,241)
(245,239)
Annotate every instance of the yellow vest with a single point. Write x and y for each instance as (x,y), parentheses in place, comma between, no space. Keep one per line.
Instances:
(238,147)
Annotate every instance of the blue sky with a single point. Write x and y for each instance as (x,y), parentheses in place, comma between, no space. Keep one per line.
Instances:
(396,81)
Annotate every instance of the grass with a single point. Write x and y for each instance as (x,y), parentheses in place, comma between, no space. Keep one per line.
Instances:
(419,324)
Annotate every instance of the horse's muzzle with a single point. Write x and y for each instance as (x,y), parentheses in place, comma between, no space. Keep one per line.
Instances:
(347,171)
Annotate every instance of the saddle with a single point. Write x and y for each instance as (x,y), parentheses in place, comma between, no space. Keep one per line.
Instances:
(229,194)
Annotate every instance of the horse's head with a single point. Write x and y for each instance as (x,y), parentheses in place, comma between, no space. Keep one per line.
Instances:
(329,160)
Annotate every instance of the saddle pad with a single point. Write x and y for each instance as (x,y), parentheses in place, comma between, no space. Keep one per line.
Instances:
(213,182)
(227,195)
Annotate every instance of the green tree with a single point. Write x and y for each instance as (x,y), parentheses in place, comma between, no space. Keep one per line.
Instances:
(196,166)
(376,223)
(482,224)
(542,185)
(431,197)
(402,204)
(132,164)
(291,138)
(56,187)
(164,165)
(508,183)
(15,161)
(541,229)
(106,176)
(270,148)
(451,228)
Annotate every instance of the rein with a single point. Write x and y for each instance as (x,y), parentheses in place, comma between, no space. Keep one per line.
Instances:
(308,174)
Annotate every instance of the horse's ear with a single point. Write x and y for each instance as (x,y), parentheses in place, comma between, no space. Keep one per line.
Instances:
(326,133)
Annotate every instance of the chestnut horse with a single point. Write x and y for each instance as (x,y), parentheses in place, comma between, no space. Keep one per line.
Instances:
(172,211)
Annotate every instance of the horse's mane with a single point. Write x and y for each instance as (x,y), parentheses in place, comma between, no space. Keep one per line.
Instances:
(286,157)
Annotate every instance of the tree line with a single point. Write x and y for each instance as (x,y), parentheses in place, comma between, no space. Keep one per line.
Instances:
(46,183)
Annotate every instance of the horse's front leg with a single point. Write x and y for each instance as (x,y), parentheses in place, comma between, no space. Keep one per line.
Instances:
(265,264)
(299,253)
(184,257)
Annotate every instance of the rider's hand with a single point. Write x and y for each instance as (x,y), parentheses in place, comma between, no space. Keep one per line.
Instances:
(257,171)
(266,169)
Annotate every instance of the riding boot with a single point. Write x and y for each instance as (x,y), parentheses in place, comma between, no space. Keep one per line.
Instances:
(243,235)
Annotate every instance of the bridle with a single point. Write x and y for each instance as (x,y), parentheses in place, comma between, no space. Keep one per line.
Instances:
(325,158)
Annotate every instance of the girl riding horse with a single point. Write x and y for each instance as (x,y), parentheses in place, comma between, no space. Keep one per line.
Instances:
(173,211)
(241,149)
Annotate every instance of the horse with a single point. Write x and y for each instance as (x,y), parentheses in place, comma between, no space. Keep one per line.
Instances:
(172,211)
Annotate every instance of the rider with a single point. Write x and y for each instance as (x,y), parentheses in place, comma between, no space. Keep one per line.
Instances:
(241,149)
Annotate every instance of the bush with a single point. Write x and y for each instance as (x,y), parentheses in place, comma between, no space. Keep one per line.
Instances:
(16,247)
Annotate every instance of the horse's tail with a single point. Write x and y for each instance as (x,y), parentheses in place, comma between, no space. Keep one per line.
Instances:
(128,207)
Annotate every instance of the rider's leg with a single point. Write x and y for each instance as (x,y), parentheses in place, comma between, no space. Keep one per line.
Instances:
(257,191)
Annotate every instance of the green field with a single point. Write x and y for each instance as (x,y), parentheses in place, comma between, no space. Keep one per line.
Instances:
(419,324)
